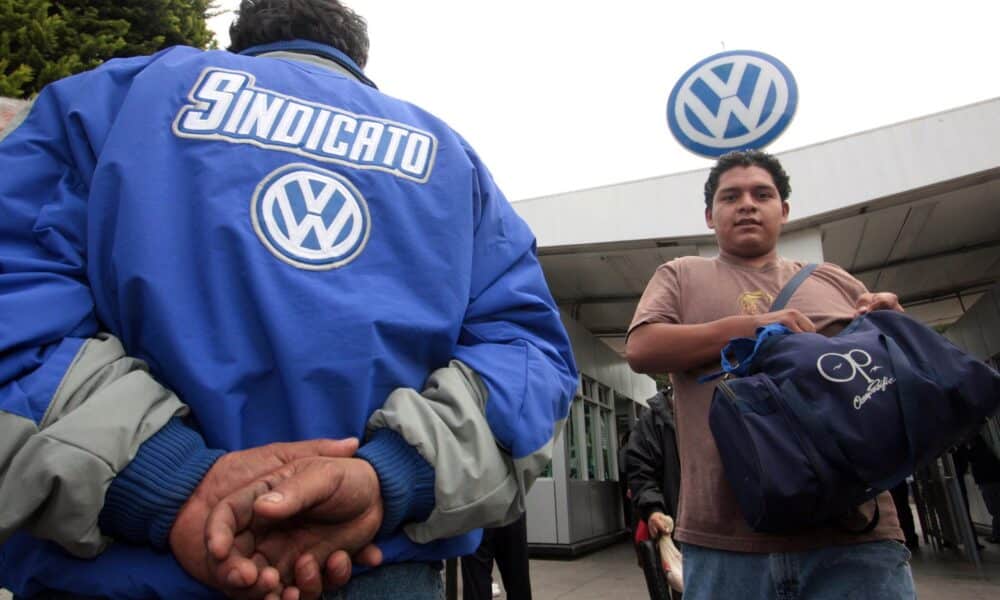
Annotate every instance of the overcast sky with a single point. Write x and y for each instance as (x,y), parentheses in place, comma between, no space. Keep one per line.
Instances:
(558,95)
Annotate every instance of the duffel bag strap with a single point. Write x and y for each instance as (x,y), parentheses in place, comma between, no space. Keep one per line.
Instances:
(739,353)
(903,371)
(793,284)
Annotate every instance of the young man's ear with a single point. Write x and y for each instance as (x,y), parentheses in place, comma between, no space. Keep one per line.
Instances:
(784,211)
(711,222)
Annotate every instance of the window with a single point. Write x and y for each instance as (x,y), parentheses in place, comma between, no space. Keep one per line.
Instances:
(591,433)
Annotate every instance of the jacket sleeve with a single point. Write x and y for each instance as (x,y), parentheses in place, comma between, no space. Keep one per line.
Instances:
(644,464)
(485,423)
(74,407)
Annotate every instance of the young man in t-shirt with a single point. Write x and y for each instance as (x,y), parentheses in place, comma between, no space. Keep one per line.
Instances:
(691,308)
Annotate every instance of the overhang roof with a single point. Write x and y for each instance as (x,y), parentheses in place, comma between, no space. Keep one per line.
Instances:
(912,208)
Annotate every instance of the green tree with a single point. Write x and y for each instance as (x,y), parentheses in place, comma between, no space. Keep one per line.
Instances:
(155,24)
(45,40)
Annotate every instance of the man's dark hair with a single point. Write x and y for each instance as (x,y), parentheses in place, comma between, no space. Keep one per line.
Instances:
(324,21)
(747,158)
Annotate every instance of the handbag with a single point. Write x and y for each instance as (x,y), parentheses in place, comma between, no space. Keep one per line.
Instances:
(810,427)
(661,562)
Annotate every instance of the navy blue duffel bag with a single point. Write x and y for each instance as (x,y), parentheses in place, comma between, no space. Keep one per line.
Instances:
(809,427)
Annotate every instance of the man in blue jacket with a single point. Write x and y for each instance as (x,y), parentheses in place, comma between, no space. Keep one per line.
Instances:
(216,269)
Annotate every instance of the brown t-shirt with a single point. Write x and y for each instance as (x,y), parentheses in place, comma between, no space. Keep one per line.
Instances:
(693,290)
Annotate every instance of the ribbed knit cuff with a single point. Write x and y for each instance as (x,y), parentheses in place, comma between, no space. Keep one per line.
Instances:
(406,479)
(143,500)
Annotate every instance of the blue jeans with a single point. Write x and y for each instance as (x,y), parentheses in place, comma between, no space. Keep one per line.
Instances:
(403,581)
(875,570)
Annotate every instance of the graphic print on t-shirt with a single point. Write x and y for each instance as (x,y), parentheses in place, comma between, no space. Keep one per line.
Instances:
(756,302)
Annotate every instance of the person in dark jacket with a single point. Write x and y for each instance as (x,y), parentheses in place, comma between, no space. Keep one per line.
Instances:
(986,472)
(653,466)
(626,498)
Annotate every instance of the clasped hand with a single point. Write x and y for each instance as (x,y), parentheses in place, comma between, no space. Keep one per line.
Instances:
(281,522)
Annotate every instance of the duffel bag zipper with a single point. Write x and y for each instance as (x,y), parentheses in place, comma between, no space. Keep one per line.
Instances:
(731,395)
(728,391)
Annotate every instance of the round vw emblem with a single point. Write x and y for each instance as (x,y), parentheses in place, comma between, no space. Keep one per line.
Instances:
(310,218)
(732,101)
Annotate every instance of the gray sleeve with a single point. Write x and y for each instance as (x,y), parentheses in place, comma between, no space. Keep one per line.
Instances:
(12,113)
(476,483)
(54,474)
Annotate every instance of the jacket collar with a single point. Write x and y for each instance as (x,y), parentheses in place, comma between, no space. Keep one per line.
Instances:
(328,56)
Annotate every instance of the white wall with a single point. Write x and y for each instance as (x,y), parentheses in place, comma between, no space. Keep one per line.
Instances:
(805,245)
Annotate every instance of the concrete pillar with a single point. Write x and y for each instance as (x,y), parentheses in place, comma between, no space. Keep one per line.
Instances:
(804,244)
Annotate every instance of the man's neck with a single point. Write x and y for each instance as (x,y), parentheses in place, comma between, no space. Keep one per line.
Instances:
(755,262)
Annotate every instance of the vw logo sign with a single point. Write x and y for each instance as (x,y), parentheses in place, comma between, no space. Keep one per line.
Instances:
(732,101)
(310,218)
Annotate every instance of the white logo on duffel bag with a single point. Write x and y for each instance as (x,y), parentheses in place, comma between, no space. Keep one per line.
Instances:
(842,368)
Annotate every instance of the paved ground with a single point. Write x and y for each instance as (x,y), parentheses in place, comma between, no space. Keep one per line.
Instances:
(612,574)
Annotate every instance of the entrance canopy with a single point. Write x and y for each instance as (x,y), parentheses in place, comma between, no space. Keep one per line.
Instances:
(912,208)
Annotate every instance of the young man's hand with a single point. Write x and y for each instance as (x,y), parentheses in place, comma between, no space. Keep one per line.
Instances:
(790,318)
(306,520)
(877,301)
(230,473)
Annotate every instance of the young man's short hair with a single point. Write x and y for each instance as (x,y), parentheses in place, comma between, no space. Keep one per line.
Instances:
(747,158)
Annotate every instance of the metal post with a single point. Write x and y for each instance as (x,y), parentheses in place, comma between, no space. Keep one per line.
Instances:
(959,513)
(922,510)
(451,579)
